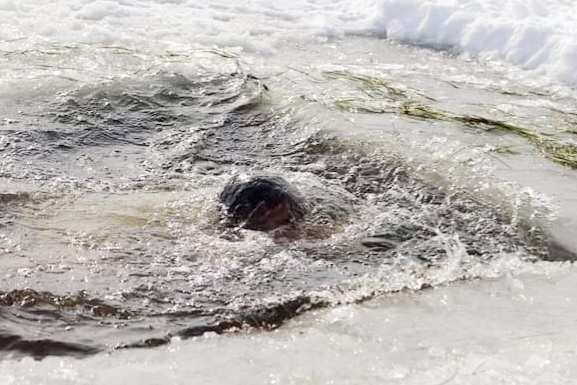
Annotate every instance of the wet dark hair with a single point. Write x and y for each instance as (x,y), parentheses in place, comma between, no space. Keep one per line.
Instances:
(244,203)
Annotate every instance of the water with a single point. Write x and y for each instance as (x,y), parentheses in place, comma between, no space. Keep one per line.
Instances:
(113,159)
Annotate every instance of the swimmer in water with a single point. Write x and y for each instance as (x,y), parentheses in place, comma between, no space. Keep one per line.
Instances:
(260,203)
(270,204)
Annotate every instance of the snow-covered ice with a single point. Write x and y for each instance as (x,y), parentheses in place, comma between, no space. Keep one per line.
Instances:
(536,35)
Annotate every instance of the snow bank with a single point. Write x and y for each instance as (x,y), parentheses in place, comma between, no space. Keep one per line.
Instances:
(534,34)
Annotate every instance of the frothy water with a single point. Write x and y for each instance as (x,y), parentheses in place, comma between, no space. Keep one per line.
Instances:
(143,253)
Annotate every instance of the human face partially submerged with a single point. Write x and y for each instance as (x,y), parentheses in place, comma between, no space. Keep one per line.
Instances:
(261,203)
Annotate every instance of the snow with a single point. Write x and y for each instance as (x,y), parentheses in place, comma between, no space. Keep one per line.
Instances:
(99,10)
(259,26)
(7,5)
(535,35)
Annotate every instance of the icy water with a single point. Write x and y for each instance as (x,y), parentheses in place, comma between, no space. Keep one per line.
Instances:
(433,188)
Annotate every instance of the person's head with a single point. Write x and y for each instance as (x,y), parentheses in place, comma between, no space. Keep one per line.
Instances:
(260,203)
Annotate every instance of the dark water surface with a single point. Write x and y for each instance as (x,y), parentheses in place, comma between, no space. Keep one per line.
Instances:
(109,210)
